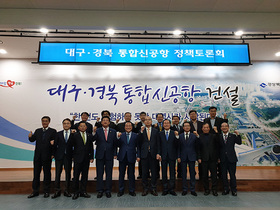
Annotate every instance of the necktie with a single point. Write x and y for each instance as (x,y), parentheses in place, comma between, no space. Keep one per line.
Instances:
(178,129)
(225,138)
(44,133)
(160,128)
(66,136)
(84,138)
(105,132)
(127,138)
(148,134)
(166,135)
(187,137)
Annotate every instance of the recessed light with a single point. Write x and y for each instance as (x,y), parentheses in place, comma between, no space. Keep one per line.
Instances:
(2,51)
(277,54)
(238,33)
(177,32)
(111,31)
(44,30)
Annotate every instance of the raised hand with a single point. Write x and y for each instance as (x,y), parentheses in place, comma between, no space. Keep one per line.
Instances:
(30,134)
(215,129)
(225,115)
(236,132)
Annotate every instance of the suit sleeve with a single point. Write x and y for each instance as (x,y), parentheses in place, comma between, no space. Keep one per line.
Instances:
(199,147)
(159,149)
(33,137)
(91,149)
(238,140)
(69,148)
(179,146)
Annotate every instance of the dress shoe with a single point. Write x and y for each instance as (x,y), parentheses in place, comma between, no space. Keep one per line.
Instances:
(139,177)
(154,193)
(215,193)
(172,192)
(225,192)
(193,193)
(132,194)
(75,196)
(85,195)
(234,193)
(120,193)
(99,194)
(207,192)
(67,194)
(145,192)
(164,193)
(108,195)
(95,178)
(32,195)
(57,194)
(179,176)
(184,193)
(46,195)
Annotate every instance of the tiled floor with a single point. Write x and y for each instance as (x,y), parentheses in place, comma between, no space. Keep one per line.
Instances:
(244,200)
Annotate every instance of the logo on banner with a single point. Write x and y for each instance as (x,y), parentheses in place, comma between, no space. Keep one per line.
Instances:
(9,84)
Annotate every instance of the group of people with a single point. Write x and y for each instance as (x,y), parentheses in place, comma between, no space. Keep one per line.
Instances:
(208,142)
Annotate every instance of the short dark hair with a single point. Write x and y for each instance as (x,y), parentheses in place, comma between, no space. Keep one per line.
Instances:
(212,107)
(165,120)
(206,124)
(192,111)
(105,117)
(46,117)
(128,122)
(82,122)
(159,114)
(86,113)
(143,113)
(175,116)
(66,119)
(127,113)
(185,123)
(102,113)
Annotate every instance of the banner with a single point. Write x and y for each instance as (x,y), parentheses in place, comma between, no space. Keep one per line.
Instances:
(249,95)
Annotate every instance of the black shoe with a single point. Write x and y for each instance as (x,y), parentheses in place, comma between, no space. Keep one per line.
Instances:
(120,193)
(85,195)
(46,195)
(67,194)
(184,193)
(172,192)
(95,177)
(193,193)
(75,196)
(32,195)
(108,195)
(132,194)
(145,192)
(225,192)
(179,176)
(99,194)
(139,177)
(164,193)
(57,194)
(207,192)
(234,193)
(215,193)
(154,193)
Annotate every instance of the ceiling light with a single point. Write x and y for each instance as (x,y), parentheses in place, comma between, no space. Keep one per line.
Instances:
(44,30)
(177,32)
(2,51)
(277,54)
(238,33)
(111,31)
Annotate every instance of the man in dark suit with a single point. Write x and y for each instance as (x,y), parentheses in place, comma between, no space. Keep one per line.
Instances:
(62,160)
(215,121)
(187,155)
(127,143)
(127,118)
(159,124)
(195,124)
(228,157)
(208,157)
(80,148)
(108,114)
(149,155)
(105,139)
(44,151)
(168,155)
(84,117)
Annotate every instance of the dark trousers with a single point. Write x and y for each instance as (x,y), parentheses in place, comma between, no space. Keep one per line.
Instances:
(140,168)
(80,168)
(192,175)
(226,166)
(164,164)
(212,166)
(179,169)
(38,165)
(65,163)
(149,163)
(131,174)
(101,166)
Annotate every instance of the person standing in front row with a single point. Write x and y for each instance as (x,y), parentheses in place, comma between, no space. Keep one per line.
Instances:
(80,148)
(187,155)
(149,155)
(105,139)
(84,117)
(228,158)
(44,151)
(127,142)
(62,160)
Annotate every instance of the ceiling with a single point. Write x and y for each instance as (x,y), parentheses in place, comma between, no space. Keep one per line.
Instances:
(158,16)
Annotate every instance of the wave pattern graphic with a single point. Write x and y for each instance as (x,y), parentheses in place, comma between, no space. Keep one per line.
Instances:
(13,153)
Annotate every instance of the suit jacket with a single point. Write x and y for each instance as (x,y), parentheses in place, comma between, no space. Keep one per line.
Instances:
(120,127)
(174,128)
(188,149)
(112,125)
(60,146)
(227,149)
(208,150)
(89,127)
(105,149)
(129,149)
(138,127)
(218,122)
(168,149)
(157,127)
(78,150)
(199,127)
(144,144)
(43,149)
